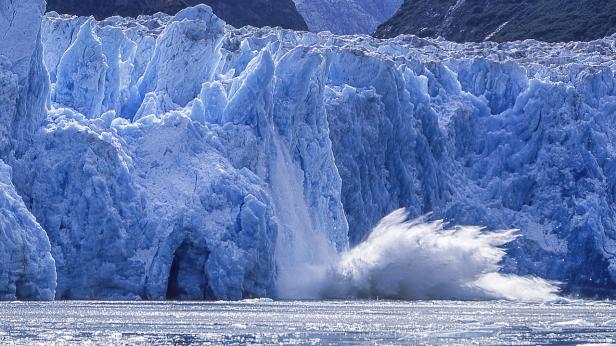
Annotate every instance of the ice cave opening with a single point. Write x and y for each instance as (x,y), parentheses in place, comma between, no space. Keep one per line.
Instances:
(22,291)
(188,274)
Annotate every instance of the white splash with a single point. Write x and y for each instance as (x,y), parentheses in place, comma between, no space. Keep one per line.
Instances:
(417,259)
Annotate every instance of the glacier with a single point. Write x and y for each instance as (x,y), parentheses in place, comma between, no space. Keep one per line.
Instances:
(177,157)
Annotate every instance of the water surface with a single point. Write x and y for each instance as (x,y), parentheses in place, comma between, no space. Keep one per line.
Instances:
(319,322)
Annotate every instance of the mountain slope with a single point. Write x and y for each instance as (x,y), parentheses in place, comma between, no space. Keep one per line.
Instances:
(346,16)
(238,13)
(503,20)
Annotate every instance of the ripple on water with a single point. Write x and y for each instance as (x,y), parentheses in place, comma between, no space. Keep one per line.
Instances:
(311,322)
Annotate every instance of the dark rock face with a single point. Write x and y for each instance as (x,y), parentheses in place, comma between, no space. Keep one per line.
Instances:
(503,20)
(238,13)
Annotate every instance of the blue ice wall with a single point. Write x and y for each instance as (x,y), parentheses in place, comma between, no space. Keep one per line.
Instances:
(27,269)
(248,151)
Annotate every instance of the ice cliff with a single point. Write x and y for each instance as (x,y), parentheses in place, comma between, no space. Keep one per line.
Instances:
(185,159)
(25,86)
(27,269)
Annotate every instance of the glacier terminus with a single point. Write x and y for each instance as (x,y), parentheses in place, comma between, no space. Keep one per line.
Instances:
(178,157)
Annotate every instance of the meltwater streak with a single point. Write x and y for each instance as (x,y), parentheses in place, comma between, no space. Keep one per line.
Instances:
(414,260)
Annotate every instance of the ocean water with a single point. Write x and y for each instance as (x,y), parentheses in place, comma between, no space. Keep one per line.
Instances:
(309,322)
